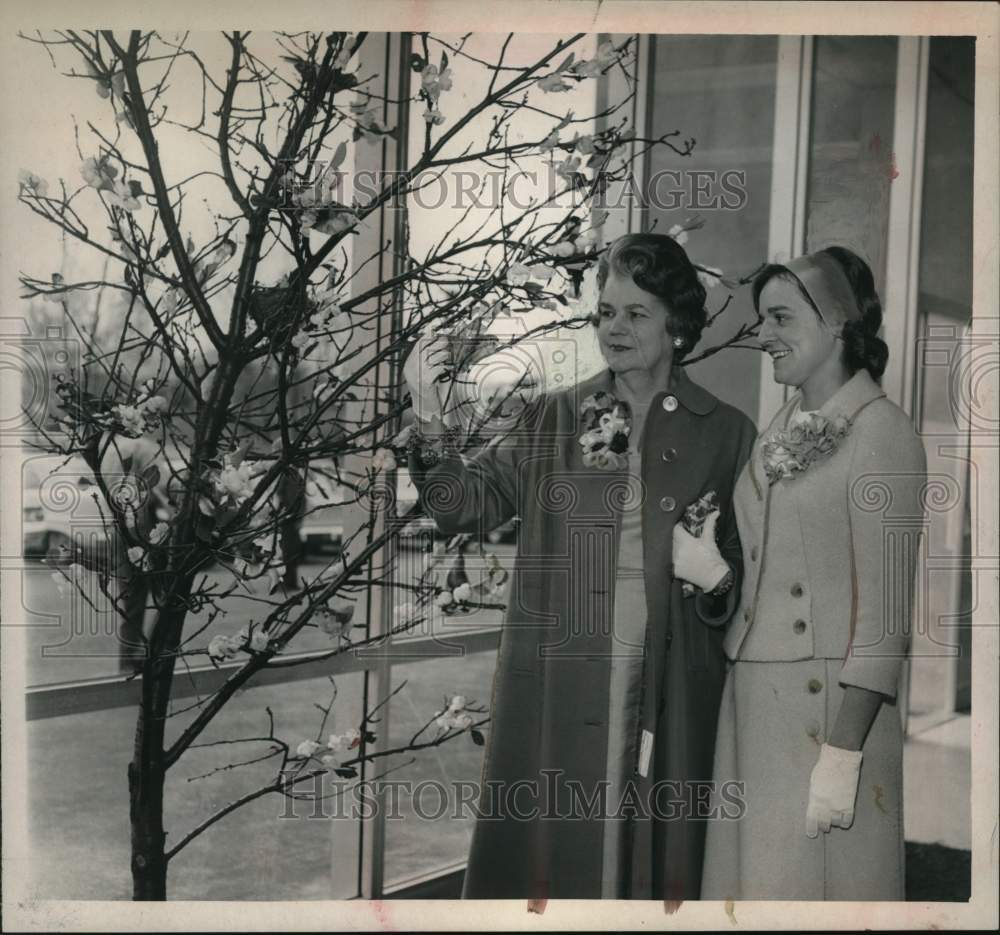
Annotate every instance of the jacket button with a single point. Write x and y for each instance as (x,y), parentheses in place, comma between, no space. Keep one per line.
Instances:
(669,455)
(797,590)
(667,504)
(799,626)
(815,686)
(669,403)
(746,616)
(813,729)
(753,554)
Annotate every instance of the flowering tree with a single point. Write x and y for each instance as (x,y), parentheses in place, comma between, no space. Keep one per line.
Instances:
(256,357)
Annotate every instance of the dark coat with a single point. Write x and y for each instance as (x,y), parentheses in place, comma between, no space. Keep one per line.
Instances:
(550,693)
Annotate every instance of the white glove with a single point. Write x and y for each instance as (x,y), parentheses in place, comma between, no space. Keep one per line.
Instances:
(697,558)
(426,362)
(833,790)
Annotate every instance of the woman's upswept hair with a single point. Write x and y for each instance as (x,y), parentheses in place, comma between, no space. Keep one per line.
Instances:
(863,348)
(659,265)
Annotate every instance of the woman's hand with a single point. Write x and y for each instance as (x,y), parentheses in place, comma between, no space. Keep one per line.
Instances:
(833,790)
(697,558)
(427,361)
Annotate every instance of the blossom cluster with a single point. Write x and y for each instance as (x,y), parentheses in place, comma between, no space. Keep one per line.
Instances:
(226,646)
(235,481)
(586,68)
(455,716)
(605,438)
(35,184)
(102,175)
(433,81)
(367,124)
(330,754)
(334,617)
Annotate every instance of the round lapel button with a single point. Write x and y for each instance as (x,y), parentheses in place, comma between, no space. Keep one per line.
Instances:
(669,403)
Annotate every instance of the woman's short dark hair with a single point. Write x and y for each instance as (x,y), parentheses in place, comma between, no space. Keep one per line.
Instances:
(659,265)
(863,348)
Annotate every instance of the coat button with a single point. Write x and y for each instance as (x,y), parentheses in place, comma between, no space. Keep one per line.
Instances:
(667,504)
(746,616)
(799,626)
(669,403)
(815,686)
(669,455)
(753,554)
(797,590)
(813,729)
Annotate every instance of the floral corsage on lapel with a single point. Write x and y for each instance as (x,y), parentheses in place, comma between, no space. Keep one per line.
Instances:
(694,522)
(792,450)
(607,423)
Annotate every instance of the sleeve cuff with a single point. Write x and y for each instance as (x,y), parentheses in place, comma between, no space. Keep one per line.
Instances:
(717,611)
(877,675)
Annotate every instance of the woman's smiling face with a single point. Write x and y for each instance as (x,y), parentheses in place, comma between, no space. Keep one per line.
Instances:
(802,347)
(632,326)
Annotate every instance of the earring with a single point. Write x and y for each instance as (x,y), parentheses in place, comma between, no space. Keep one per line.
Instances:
(678,342)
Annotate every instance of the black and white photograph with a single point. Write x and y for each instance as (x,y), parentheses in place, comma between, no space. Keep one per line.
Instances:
(500,468)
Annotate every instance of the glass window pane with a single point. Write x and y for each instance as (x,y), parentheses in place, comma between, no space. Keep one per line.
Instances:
(850,146)
(72,635)
(79,830)
(433,829)
(942,682)
(720,91)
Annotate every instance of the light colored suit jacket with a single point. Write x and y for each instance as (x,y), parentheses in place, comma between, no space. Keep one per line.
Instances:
(830,553)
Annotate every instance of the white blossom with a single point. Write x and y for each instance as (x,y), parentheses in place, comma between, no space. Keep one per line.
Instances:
(463,592)
(120,193)
(444,599)
(98,173)
(709,277)
(137,556)
(34,183)
(553,83)
(259,641)
(434,117)
(434,82)
(383,460)
(223,646)
(132,418)
(679,234)
(307,748)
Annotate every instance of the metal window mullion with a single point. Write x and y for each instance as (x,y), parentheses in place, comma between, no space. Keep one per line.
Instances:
(902,265)
(104,694)
(789,180)
(391,227)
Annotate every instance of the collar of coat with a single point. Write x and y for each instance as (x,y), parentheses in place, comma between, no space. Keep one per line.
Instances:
(848,401)
(689,394)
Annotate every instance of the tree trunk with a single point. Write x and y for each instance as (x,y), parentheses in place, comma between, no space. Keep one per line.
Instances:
(149,864)
(147,771)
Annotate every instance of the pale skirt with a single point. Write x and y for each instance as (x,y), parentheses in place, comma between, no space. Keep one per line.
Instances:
(770,730)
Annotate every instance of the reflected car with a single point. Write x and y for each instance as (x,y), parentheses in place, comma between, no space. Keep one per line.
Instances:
(59,502)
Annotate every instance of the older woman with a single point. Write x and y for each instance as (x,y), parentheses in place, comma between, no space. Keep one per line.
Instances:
(609,668)
(829,511)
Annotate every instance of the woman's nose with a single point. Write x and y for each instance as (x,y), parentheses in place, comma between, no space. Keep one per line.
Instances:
(618,324)
(764,335)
